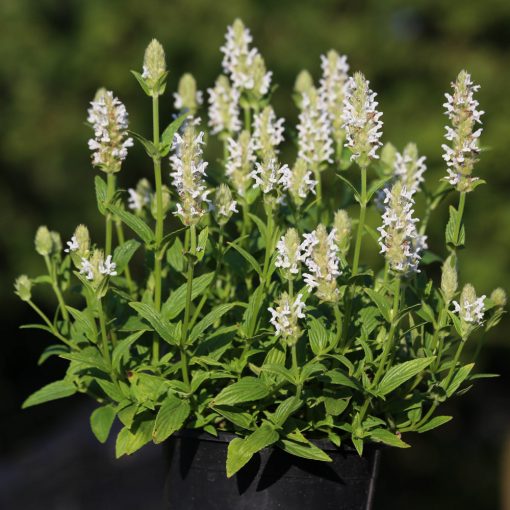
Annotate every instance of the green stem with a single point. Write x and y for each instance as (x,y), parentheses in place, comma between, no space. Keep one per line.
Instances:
(127,271)
(338,319)
(56,289)
(104,335)
(158,232)
(295,368)
(462,203)
(54,330)
(361,222)
(269,245)
(317,175)
(187,309)
(110,192)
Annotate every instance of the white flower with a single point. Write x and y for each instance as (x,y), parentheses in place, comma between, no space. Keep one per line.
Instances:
(243,64)
(399,239)
(285,316)
(314,141)
(108,267)
(289,254)
(224,107)
(266,174)
(298,181)
(462,153)
(409,168)
(72,245)
(471,308)
(180,103)
(188,173)
(109,120)
(320,251)
(87,269)
(268,131)
(361,120)
(240,160)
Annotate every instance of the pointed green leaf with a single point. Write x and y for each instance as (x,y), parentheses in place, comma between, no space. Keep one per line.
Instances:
(171,416)
(304,448)
(129,441)
(85,322)
(52,391)
(101,421)
(286,409)
(435,422)
(247,389)
(123,254)
(136,224)
(168,134)
(122,348)
(387,437)
(460,376)
(215,314)
(249,258)
(399,374)
(381,303)
(164,329)
(101,194)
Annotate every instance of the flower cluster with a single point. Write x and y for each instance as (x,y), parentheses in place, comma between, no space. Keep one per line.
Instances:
(362,120)
(289,254)
(399,239)
(224,204)
(321,258)
(343,231)
(332,90)
(243,64)
(97,267)
(188,173)
(462,153)
(471,308)
(268,131)
(240,161)
(314,141)
(267,174)
(410,167)
(223,107)
(285,316)
(140,197)
(188,98)
(109,119)
(298,181)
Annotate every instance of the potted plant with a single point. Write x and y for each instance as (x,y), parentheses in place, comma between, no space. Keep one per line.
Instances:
(236,319)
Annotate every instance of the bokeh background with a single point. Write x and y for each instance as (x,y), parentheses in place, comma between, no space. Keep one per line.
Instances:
(54,54)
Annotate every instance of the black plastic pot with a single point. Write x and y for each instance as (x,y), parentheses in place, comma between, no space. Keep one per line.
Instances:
(273,479)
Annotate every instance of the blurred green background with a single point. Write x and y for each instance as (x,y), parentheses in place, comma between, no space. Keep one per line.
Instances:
(54,54)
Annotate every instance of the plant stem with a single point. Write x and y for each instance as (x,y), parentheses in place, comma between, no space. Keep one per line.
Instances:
(361,222)
(295,368)
(462,203)
(317,175)
(50,266)
(127,272)
(158,232)
(104,335)
(110,192)
(269,244)
(54,331)
(187,309)
(338,319)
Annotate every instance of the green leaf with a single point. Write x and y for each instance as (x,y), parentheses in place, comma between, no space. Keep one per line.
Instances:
(318,336)
(141,82)
(89,357)
(260,225)
(236,415)
(252,311)
(136,224)
(202,242)
(387,437)
(249,258)
(52,391)
(148,145)
(304,449)
(338,376)
(452,227)
(101,421)
(285,410)
(164,329)
(240,451)
(171,416)
(381,303)
(276,369)
(376,186)
(168,134)
(175,255)
(210,319)
(399,374)
(122,348)
(246,389)
(101,194)
(351,186)
(123,254)
(458,379)
(111,390)
(175,304)
(86,323)
(435,422)
(129,441)
(335,406)
(52,350)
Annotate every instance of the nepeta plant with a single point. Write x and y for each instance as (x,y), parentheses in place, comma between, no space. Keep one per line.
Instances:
(239,304)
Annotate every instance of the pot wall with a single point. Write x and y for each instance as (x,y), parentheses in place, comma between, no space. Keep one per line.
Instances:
(273,479)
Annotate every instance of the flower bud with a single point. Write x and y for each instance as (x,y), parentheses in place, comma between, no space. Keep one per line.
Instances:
(154,67)
(56,243)
(224,204)
(285,317)
(289,256)
(298,181)
(23,287)
(187,98)
(302,85)
(388,157)
(470,309)
(498,297)
(240,161)
(449,278)
(43,241)
(343,230)
(83,239)
(140,196)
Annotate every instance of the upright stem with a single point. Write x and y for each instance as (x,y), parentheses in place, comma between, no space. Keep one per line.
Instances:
(158,233)
(269,244)
(56,289)
(104,335)
(462,203)
(361,223)
(317,175)
(187,309)
(54,331)
(295,369)
(122,240)
(110,192)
